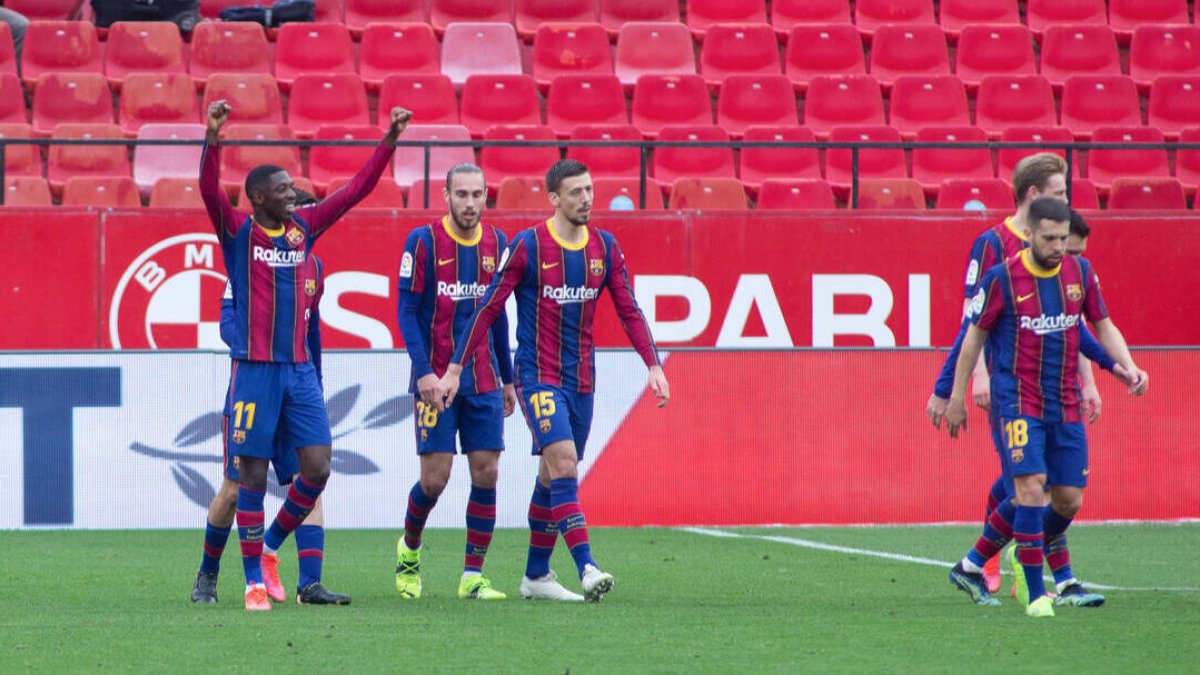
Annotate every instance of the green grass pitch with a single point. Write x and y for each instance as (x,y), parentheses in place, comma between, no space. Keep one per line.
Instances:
(684,602)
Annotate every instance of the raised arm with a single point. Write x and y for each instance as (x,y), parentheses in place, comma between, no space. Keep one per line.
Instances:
(225,219)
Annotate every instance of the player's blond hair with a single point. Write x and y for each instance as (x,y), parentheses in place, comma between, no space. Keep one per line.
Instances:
(1035,171)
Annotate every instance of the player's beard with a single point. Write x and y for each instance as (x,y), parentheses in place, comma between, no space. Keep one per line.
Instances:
(464,225)
(581,220)
(1044,263)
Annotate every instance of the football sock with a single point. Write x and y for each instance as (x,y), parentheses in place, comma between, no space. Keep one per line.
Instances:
(215,539)
(564,502)
(997,532)
(301,497)
(310,550)
(250,532)
(1027,531)
(419,506)
(997,494)
(481,521)
(543,532)
(1057,556)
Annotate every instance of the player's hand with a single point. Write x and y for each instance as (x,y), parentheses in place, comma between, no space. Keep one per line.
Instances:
(1091,403)
(956,417)
(398,122)
(510,400)
(218,115)
(981,391)
(446,389)
(936,409)
(1140,382)
(426,386)
(657,381)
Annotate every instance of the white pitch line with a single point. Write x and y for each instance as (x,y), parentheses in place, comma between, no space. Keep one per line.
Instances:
(820,546)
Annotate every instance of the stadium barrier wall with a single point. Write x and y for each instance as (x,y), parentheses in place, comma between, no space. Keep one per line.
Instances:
(132,440)
(152,279)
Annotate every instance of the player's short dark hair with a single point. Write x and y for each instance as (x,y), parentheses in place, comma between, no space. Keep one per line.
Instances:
(1035,171)
(465,167)
(260,175)
(304,197)
(1079,226)
(1047,208)
(562,170)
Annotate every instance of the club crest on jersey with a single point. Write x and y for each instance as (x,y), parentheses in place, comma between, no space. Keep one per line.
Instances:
(295,237)
(1018,455)
(596,265)
(238,436)
(544,426)
(310,286)
(489,264)
(1074,292)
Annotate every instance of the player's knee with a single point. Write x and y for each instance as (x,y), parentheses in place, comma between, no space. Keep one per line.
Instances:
(485,476)
(317,474)
(1068,504)
(434,483)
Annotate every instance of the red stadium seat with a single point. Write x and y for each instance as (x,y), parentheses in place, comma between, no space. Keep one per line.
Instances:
(328,162)
(578,100)
(1093,101)
(994,50)
(1174,103)
(849,100)
(614,14)
(756,100)
(165,98)
(732,49)
(1187,162)
(359,14)
(71,97)
(761,164)
(312,48)
(443,13)
(417,197)
(532,14)
(975,194)
(890,193)
(27,191)
(500,162)
(570,49)
(869,15)
(430,98)
(101,192)
(299,182)
(955,15)
(408,48)
(337,98)
(1083,194)
(480,49)
(85,160)
(523,192)
(1014,101)
(1007,158)
(1078,50)
(8,54)
(59,47)
(834,49)
(328,11)
(928,100)
(704,14)
(153,163)
(12,99)
(1104,165)
(228,47)
(1126,15)
(654,49)
(409,161)
(1147,194)
(237,161)
(253,97)
(20,160)
(931,166)
(707,194)
(624,194)
(1040,14)
(385,195)
(142,46)
(40,10)
(872,162)
(796,195)
(176,193)
(608,162)
(671,163)
(787,14)
(489,100)
(903,49)
(1164,50)
(663,100)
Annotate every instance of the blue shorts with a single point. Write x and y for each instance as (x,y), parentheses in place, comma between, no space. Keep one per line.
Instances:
(285,460)
(998,444)
(476,419)
(1033,446)
(265,398)
(555,414)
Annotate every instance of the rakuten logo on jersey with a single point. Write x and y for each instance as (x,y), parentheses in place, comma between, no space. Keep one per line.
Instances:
(458,291)
(1048,325)
(276,257)
(570,295)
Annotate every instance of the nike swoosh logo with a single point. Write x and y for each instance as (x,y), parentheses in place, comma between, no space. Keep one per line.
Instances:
(445,262)
(547,266)
(1023,298)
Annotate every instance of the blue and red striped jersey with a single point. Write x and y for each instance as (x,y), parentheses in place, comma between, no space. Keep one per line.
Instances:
(558,287)
(992,247)
(313,341)
(449,275)
(266,268)
(1033,317)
